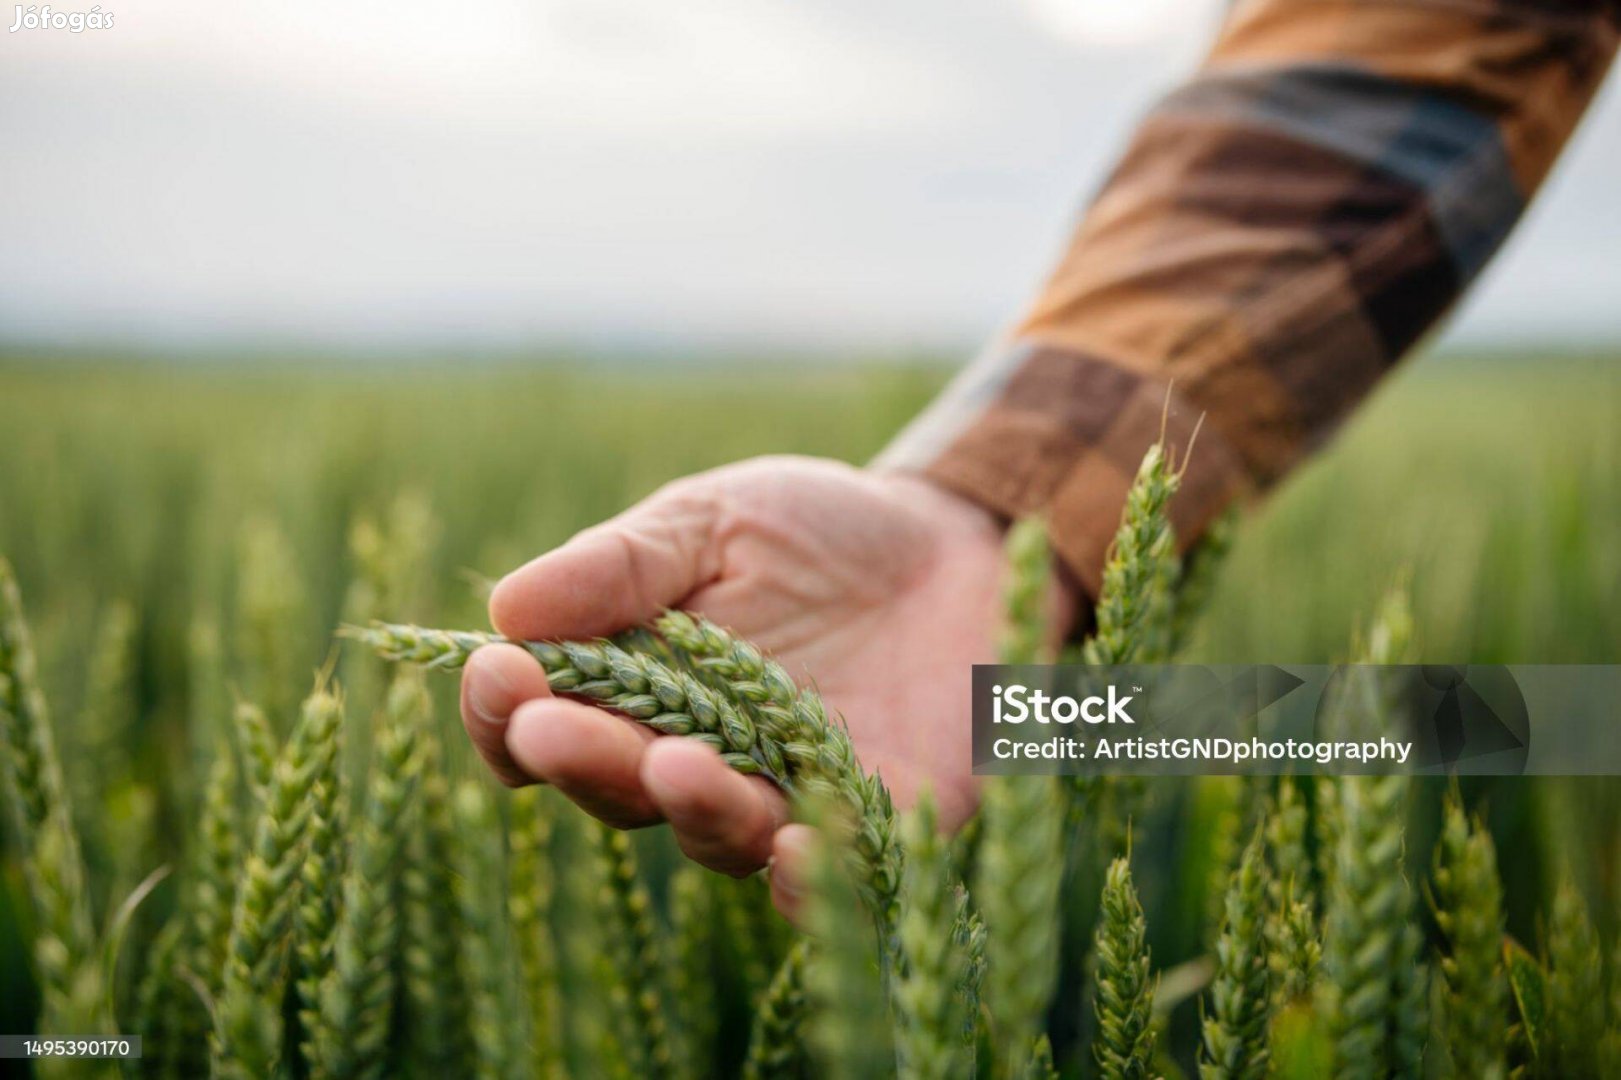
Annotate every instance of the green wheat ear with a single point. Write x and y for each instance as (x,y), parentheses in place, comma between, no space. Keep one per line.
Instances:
(487,963)
(1468,903)
(695,939)
(1135,606)
(529,909)
(1292,932)
(355,989)
(732,698)
(625,909)
(1235,1025)
(247,1038)
(65,949)
(848,1031)
(315,916)
(1575,986)
(776,1038)
(931,1013)
(1124,1046)
(1021,843)
(434,993)
(1377,986)
(1135,621)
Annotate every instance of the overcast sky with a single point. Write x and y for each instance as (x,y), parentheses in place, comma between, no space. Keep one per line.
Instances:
(496,173)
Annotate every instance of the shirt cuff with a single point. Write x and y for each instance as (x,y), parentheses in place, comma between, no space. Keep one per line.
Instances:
(1036,429)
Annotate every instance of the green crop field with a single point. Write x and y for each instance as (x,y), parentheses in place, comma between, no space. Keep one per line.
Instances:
(186,538)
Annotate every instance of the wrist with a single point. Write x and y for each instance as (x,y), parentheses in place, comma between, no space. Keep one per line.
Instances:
(958,514)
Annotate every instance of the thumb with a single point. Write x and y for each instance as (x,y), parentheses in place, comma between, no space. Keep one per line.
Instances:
(617,574)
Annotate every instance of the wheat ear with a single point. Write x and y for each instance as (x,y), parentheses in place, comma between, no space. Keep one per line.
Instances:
(315,918)
(1575,986)
(1124,1001)
(637,952)
(931,1015)
(762,725)
(356,992)
(695,939)
(189,957)
(1021,845)
(1234,1044)
(1468,903)
(65,952)
(1291,919)
(1131,601)
(848,1029)
(247,1039)
(434,994)
(776,1047)
(529,910)
(248,1020)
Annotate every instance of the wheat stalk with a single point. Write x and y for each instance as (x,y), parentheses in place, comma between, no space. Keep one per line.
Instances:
(1040,1060)
(356,988)
(695,939)
(848,1029)
(189,956)
(315,918)
(1296,951)
(627,911)
(1468,903)
(1287,826)
(247,1033)
(931,1017)
(775,1041)
(529,910)
(162,1009)
(1575,986)
(1134,620)
(65,950)
(1292,925)
(434,993)
(257,745)
(1369,934)
(1020,871)
(753,930)
(1131,602)
(1234,1044)
(1026,619)
(1124,1046)
(1021,843)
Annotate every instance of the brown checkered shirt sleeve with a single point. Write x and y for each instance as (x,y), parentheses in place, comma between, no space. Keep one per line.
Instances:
(1280,232)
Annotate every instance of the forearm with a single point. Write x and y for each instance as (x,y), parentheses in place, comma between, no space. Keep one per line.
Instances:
(1282,229)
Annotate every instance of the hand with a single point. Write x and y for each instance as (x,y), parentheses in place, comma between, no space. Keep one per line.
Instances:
(881,589)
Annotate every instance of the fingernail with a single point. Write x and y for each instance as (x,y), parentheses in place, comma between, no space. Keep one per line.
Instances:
(783,882)
(481,691)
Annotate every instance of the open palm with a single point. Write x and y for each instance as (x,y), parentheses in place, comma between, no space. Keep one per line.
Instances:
(878,588)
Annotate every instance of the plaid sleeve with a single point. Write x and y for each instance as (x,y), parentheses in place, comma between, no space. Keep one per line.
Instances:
(1281,230)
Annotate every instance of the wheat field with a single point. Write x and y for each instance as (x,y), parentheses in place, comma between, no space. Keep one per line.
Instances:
(186,538)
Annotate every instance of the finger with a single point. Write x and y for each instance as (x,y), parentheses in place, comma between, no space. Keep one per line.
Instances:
(791,851)
(721,818)
(498,679)
(618,574)
(592,756)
